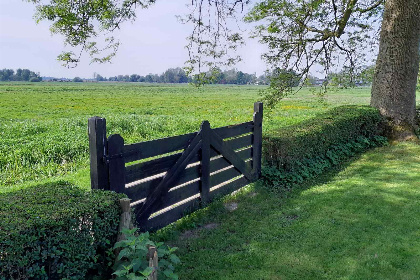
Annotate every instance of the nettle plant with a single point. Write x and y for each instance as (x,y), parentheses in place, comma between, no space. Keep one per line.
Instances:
(132,262)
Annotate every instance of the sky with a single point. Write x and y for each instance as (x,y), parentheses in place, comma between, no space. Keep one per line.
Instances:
(153,43)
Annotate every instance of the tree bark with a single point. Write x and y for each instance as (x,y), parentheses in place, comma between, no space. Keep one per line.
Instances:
(397,67)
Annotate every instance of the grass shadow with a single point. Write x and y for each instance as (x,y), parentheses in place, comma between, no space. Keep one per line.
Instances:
(354,222)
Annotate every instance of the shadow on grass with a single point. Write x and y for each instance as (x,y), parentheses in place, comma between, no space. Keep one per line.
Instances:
(360,221)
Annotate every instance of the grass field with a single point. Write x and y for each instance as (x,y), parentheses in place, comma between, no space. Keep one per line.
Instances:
(43,126)
(359,223)
(362,223)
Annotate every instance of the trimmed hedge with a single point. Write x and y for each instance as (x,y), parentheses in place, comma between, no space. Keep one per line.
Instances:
(57,231)
(305,150)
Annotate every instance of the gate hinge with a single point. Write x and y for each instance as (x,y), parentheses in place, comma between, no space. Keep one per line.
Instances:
(107,158)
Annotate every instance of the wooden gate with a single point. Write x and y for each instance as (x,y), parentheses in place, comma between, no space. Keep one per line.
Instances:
(168,177)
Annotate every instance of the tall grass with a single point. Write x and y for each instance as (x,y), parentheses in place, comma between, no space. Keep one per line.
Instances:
(43,127)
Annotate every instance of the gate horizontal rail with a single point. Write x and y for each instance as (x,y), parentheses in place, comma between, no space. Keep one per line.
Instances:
(165,178)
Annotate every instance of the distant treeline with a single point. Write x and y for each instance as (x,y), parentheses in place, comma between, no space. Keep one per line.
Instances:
(20,75)
(178,75)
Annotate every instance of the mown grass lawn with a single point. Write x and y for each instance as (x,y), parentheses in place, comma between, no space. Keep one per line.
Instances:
(360,223)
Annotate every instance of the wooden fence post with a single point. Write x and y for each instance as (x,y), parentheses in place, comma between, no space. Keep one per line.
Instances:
(153,262)
(257,143)
(125,222)
(97,150)
(205,162)
(125,218)
(116,163)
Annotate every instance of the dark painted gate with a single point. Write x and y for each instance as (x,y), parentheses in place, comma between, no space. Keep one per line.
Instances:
(165,178)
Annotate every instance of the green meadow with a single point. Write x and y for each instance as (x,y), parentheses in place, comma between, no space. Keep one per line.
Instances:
(43,126)
(359,221)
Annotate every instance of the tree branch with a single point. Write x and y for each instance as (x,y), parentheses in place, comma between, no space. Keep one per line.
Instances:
(346,16)
(368,9)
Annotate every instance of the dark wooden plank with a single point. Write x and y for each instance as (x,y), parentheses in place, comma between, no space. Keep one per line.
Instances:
(150,168)
(157,147)
(156,166)
(116,163)
(225,175)
(154,199)
(257,145)
(240,142)
(234,130)
(97,151)
(229,188)
(142,190)
(224,148)
(189,174)
(170,216)
(176,195)
(142,170)
(205,161)
(221,162)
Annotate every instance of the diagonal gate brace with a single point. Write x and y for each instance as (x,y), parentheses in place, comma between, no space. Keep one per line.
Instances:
(155,198)
(224,148)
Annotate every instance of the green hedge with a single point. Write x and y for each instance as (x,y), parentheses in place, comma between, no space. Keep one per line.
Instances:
(57,231)
(305,150)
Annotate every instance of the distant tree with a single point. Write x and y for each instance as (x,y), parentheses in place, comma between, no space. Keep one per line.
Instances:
(6,75)
(174,75)
(35,79)
(367,74)
(240,78)
(231,76)
(342,79)
(284,79)
(157,79)
(27,74)
(134,78)
(311,81)
(99,78)
(169,76)
(77,80)
(149,78)
(20,75)
(263,79)
(181,75)
(348,77)
(218,75)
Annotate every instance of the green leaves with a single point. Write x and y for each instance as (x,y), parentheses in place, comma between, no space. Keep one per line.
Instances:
(80,22)
(133,263)
(304,34)
(57,230)
(309,148)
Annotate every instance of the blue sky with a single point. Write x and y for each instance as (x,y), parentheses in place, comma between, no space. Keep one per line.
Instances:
(152,44)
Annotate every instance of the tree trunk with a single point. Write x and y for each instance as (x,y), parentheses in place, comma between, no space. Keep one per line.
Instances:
(397,67)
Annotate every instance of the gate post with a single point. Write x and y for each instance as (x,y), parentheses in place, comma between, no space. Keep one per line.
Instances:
(97,150)
(205,162)
(257,141)
(116,163)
